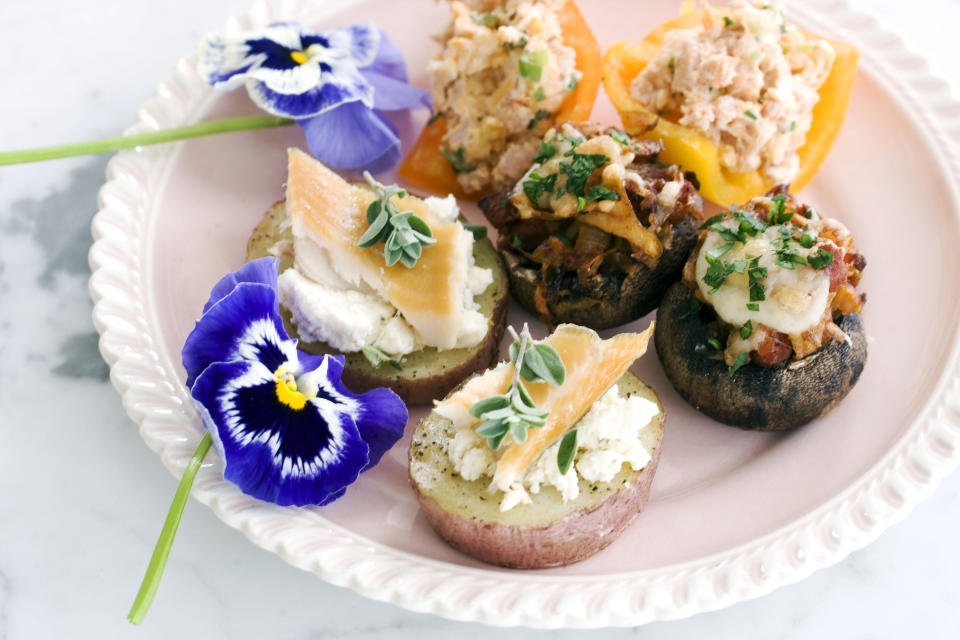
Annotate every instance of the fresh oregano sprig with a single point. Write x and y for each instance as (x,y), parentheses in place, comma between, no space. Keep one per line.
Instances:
(403,234)
(515,411)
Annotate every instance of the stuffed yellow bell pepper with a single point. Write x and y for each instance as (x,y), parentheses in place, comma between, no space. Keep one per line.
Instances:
(694,151)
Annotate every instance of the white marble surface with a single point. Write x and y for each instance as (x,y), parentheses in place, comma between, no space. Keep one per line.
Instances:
(81,496)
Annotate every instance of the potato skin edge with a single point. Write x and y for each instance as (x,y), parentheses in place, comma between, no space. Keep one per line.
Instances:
(422,390)
(757,398)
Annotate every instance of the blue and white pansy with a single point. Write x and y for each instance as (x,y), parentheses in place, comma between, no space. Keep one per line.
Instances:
(287,429)
(334,83)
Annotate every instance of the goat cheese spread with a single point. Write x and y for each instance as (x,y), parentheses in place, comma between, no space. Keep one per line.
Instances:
(503,70)
(327,304)
(608,437)
(746,80)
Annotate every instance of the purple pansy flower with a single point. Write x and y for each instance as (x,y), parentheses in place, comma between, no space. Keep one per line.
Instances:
(334,83)
(286,428)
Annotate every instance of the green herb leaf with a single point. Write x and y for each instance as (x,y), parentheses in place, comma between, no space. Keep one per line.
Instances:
(377,357)
(753,306)
(458,160)
(720,251)
(779,214)
(541,114)
(599,192)
(823,259)
(712,220)
(531,64)
(538,185)
(713,342)
(746,330)
(750,114)
(519,44)
(573,81)
(403,234)
(486,20)
(741,360)
(567,451)
(516,243)
(807,241)
(579,170)
(539,94)
(545,152)
(727,22)
(489,404)
(478,230)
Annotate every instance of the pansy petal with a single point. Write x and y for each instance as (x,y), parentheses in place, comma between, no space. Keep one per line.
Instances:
(352,136)
(262,271)
(274,451)
(242,324)
(394,95)
(380,414)
(330,91)
(389,60)
(361,41)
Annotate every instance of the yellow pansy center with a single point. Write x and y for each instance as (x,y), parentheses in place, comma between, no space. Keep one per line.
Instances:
(287,391)
(298,57)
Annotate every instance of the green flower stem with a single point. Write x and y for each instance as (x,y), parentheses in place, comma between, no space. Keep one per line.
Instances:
(142,139)
(158,561)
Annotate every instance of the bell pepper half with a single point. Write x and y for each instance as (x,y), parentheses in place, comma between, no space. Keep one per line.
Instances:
(691,150)
(427,168)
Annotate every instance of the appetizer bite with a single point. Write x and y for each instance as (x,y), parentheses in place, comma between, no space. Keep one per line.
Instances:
(508,70)
(596,230)
(738,95)
(764,331)
(544,460)
(395,282)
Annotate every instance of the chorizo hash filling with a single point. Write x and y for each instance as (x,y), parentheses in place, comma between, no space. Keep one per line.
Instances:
(504,71)
(777,278)
(595,206)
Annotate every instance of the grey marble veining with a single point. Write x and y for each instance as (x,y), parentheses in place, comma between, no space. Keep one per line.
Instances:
(82,498)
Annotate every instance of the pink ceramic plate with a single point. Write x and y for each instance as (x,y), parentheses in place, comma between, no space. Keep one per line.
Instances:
(733,514)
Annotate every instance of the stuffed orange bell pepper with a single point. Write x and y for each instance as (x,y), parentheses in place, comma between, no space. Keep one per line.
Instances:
(430,164)
(694,151)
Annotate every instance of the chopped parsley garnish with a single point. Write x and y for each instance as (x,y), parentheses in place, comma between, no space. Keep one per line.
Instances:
(458,160)
(756,275)
(538,185)
(809,213)
(823,259)
(434,118)
(720,251)
(579,170)
(807,241)
(541,114)
(788,258)
(516,243)
(545,152)
(718,271)
(486,20)
(693,307)
(478,230)
(741,360)
(780,215)
(727,22)
(746,330)
(599,192)
(749,224)
(713,342)
(753,306)
(531,64)
(539,95)
(573,81)
(519,44)
(750,114)
(711,221)
(672,65)
(625,140)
